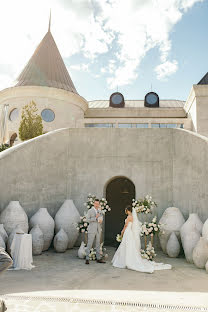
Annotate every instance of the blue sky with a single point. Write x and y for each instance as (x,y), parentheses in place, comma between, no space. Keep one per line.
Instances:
(110,44)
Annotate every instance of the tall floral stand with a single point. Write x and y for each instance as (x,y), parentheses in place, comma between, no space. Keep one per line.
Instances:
(146,238)
(85,238)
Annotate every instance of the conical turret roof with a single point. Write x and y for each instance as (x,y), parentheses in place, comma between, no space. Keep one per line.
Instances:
(46,67)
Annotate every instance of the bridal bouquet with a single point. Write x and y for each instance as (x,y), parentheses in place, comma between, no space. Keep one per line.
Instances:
(144,205)
(149,252)
(82,226)
(103,203)
(118,238)
(151,228)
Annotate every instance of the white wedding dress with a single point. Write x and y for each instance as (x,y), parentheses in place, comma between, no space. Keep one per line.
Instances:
(128,254)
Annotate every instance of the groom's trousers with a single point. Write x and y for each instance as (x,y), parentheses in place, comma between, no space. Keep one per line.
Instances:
(91,237)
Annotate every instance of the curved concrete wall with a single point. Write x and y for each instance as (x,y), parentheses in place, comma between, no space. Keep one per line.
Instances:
(169,164)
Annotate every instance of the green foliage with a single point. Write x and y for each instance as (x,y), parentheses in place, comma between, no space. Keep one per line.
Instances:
(3,147)
(31,124)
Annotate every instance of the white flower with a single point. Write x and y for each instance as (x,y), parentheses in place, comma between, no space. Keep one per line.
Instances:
(85,224)
(88,206)
(82,230)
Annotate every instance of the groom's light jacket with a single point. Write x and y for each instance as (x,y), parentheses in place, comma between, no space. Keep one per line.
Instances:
(94,225)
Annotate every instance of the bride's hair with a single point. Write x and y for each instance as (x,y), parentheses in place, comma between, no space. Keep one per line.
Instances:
(128,208)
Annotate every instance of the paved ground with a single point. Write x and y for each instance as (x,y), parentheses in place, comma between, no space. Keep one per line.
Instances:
(66,276)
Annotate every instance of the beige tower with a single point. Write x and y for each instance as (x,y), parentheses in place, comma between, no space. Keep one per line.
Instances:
(46,81)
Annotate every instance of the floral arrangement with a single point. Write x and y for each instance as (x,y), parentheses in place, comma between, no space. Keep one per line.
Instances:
(151,228)
(118,238)
(144,205)
(82,226)
(103,203)
(149,252)
(92,254)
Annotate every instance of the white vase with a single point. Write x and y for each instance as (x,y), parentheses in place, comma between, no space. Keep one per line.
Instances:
(2,242)
(200,253)
(17,229)
(37,240)
(190,234)
(205,229)
(82,251)
(192,223)
(206,266)
(3,233)
(66,218)
(60,241)
(173,246)
(14,215)
(171,220)
(189,241)
(46,224)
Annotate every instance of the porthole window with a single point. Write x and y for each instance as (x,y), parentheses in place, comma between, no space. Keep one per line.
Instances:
(14,114)
(47,115)
(151,100)
(117,100)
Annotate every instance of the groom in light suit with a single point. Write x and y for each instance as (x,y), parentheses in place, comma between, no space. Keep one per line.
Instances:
(95,219)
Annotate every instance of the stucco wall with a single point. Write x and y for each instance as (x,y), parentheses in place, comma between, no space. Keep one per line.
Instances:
(190,168)
(169,164)
(68,107)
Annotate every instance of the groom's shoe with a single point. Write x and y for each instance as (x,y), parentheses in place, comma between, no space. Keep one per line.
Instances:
(87,262)
(100,261)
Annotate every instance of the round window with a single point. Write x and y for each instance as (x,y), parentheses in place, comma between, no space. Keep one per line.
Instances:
(14,114)
(47,115)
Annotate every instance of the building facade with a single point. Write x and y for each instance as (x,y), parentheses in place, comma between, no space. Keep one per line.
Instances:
(46,81)
(120,149)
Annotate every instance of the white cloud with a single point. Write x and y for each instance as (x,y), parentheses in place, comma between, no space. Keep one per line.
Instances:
(122,30)
(166,69)
(80,67)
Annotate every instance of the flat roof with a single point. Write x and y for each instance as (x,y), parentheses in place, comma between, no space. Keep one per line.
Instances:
(136,103)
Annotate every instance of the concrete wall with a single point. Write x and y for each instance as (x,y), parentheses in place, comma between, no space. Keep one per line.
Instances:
(190,173)
(169,164)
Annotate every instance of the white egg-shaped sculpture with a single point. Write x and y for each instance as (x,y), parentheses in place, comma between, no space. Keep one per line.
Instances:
(12,216)
(46,224)
(60,241)
(172,221)
(189,241)
(37,240)
(173,246)
(66,218)
(205,229)
(200,253)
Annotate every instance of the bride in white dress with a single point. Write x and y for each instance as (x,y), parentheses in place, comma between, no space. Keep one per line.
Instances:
(128,254)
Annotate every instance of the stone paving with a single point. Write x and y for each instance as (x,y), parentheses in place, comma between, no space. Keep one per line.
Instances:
(60,278)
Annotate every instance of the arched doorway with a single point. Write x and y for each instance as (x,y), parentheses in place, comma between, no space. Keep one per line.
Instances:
(119,193)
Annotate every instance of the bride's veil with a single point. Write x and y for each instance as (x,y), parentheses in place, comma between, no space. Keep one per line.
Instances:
(136,229)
